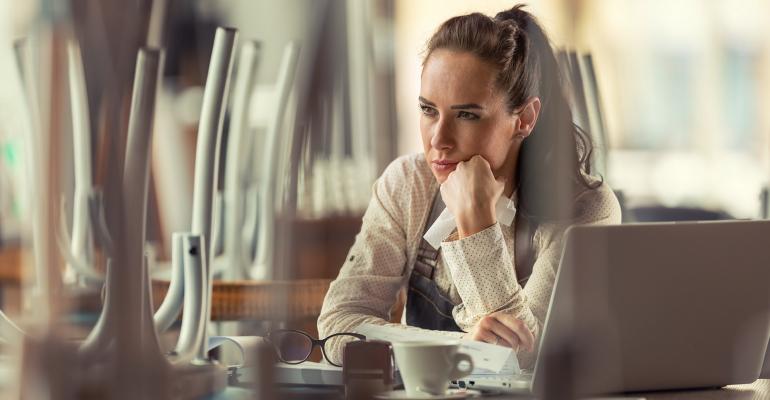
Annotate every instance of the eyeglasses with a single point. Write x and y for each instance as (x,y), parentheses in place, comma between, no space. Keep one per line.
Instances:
(294,347)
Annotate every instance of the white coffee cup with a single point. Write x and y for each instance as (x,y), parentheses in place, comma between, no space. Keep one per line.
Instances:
(428,366)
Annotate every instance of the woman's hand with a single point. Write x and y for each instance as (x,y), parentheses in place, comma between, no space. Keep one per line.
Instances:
(502,328)
(470,192)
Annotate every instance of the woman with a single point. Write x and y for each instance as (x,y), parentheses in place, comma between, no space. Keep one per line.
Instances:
(495,122)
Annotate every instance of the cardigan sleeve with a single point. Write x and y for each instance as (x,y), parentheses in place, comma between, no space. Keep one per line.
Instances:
(376,266)
(482,267)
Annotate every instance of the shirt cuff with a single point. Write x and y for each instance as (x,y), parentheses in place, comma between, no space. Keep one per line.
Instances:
(492,232)
(482,270)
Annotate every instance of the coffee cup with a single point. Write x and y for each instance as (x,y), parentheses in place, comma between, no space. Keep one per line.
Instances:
(428,366)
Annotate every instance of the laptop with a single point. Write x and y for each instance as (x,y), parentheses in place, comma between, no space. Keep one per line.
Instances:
(660,306)
(765,374)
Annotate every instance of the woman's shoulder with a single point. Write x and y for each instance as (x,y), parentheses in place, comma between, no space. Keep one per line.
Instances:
(408,166)
(597,203)
(407,183)
(409,172)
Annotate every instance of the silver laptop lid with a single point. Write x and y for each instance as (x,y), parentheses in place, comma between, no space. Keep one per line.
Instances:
(765,374)
(658,306)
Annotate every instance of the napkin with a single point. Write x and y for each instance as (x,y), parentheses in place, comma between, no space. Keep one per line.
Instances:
(445,223)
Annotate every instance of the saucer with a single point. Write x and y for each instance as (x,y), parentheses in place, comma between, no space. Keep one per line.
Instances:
(450,394)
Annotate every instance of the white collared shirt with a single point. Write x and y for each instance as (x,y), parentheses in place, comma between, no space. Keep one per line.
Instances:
(476,273)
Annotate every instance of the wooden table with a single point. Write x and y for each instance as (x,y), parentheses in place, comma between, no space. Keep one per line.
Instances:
(231,300)
(759,390)
(755,391)
(319,250)
(261,300)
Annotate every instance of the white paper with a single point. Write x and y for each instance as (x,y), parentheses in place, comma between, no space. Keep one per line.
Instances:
(617,398)
(510,368)
(445,223)
(308,373)
(247,345)
(487,358)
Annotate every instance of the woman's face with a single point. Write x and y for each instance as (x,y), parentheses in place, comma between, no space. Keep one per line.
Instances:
(464,114)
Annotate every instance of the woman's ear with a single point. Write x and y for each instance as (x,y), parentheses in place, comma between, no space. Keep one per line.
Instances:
(527,118)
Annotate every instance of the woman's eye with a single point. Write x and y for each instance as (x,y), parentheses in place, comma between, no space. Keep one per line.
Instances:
(429,111)
(467,115)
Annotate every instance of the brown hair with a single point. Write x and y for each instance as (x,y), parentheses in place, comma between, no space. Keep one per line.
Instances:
(557,151)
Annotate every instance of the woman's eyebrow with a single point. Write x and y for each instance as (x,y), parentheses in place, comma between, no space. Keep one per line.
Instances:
(426,101)
(454,107)
(466,106)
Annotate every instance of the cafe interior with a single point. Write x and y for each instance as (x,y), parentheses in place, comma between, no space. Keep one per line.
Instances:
(181,181)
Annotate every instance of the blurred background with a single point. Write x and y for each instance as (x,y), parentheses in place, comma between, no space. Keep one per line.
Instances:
(676,93)
(683,88)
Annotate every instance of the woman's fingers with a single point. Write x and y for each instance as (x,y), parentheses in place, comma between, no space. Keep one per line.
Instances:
(482,162)
(507,336)
(519,328)
(490,330)
(504,329)
(483,335)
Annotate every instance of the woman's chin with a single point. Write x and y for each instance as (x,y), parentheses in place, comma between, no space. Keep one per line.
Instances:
(440,176)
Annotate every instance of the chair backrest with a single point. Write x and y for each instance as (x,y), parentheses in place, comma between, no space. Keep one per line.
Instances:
(578,73)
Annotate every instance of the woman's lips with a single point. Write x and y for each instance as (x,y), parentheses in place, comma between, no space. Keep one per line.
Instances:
(444,165)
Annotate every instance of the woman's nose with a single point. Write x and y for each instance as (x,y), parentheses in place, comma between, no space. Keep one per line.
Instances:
(442,137)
